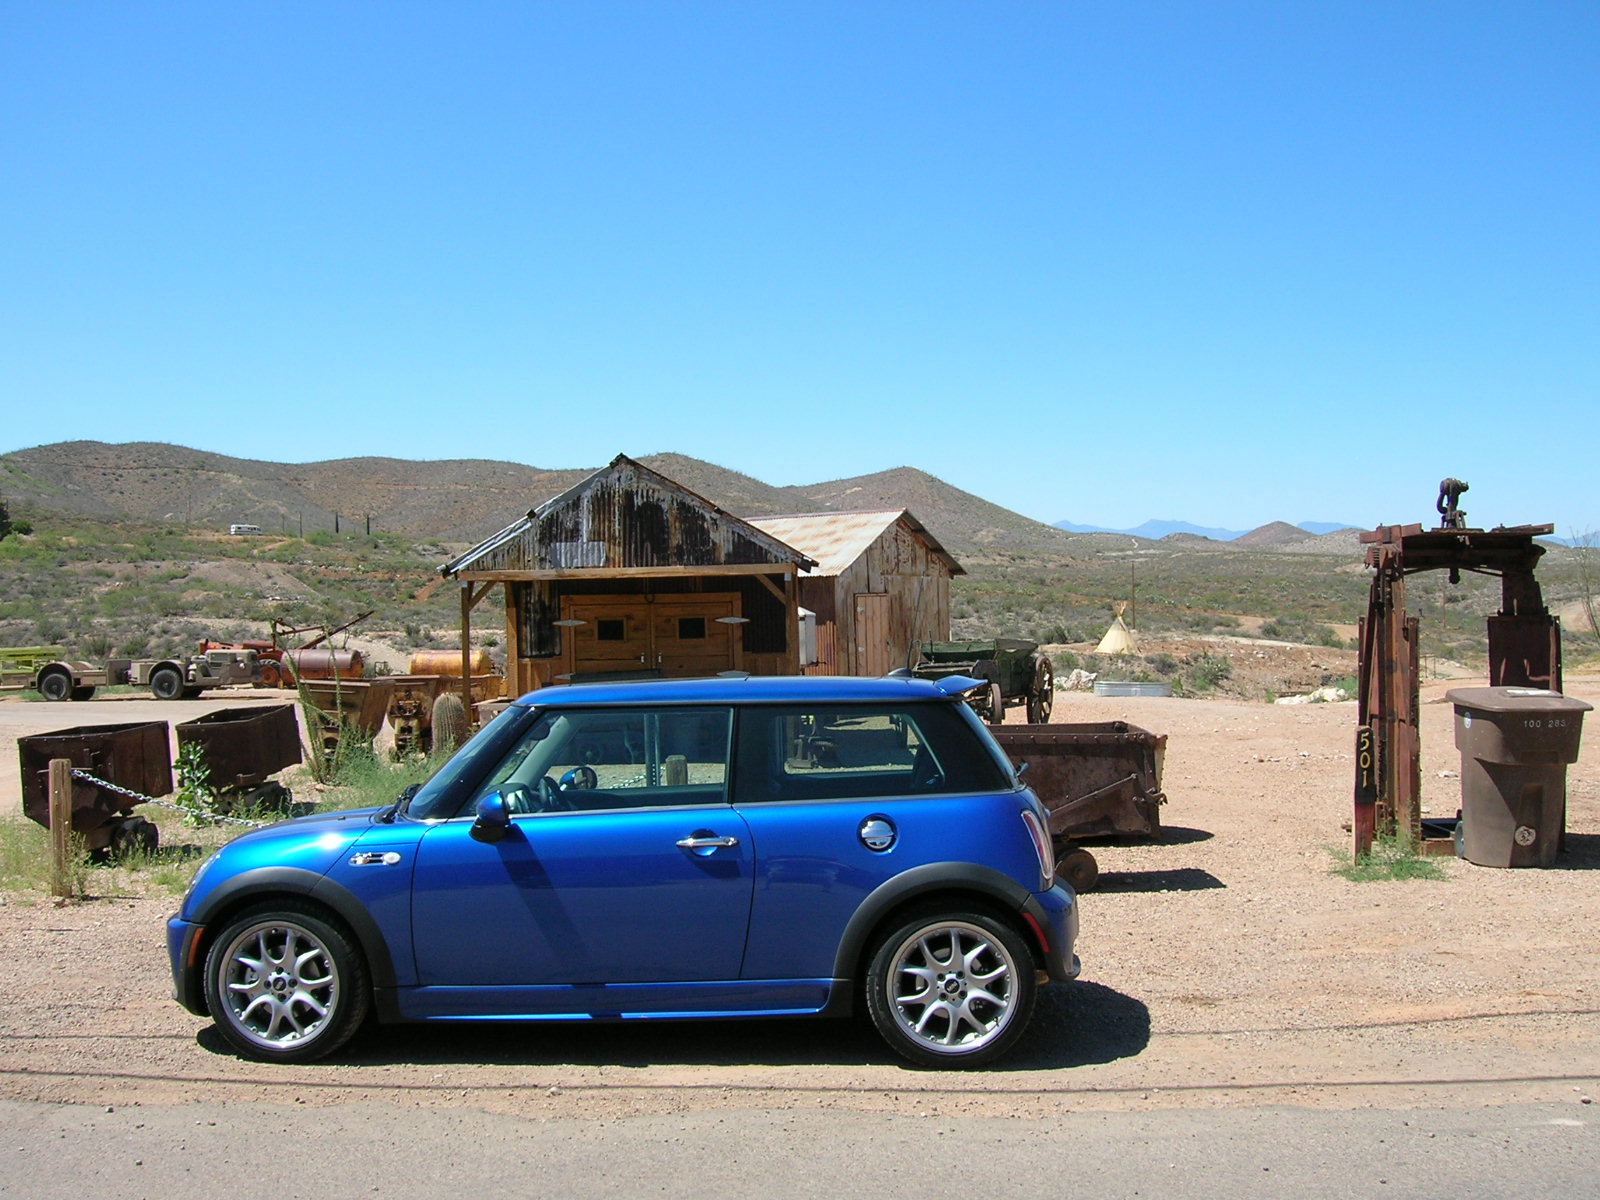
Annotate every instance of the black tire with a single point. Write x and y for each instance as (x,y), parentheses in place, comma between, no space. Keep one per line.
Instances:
(166,683)
(924,994)
(284,983)
(1079,869)
(55,685)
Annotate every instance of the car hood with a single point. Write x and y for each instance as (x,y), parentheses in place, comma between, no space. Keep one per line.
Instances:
(312,844)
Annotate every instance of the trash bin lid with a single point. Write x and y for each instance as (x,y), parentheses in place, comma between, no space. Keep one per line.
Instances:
(1515,699)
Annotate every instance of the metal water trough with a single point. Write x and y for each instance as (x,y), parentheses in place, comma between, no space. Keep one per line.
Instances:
(1096,779)
(137,757)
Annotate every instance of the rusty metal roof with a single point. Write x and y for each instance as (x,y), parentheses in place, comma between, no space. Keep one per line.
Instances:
(625,517)
(836,540)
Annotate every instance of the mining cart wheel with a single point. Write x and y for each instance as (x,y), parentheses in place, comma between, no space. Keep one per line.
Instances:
(1042,698)
(1079,869)
(134,836)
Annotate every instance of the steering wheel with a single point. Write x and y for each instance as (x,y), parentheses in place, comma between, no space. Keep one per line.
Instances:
(550,797)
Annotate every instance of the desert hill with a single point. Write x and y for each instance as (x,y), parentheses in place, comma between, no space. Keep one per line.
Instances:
(465,500)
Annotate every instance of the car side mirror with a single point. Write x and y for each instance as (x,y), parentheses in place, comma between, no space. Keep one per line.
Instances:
(493,821)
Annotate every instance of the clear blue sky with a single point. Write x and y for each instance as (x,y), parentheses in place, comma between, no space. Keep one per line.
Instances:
(1225,262)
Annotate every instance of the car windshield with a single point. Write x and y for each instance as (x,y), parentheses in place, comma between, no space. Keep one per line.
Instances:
(440,798)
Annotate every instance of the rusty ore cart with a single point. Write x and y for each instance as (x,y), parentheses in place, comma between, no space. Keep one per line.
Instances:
(1014,670)
(355,705)
(240,747)
(1097,780)
(136,757)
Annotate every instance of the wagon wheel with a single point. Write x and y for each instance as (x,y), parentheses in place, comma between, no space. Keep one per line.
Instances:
(1042,698)
(1079,869)
(997,705)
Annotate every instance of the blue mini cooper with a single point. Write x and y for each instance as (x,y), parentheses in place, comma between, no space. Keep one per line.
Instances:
(698,848)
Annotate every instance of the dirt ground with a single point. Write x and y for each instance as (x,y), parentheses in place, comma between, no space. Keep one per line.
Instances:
(1223,966)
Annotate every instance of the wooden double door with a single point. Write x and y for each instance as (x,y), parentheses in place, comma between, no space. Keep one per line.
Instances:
(672,635)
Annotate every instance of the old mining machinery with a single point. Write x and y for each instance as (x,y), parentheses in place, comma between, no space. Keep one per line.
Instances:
(1524,651)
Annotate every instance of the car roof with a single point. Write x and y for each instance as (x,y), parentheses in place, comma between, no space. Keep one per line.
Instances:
(754,689)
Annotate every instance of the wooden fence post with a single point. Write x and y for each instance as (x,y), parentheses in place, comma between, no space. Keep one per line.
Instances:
(60,826)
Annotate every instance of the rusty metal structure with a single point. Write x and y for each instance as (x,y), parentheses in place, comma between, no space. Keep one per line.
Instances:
(342,706)
(1524,642)
(134,758)
(240,748)
(1097,779)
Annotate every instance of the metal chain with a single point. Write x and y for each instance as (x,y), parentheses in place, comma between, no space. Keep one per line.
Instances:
(119,790)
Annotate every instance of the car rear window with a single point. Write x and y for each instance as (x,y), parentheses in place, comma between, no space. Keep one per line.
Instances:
(837,751)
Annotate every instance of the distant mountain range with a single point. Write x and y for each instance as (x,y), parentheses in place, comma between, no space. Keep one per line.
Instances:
(1155,530)
(465,500)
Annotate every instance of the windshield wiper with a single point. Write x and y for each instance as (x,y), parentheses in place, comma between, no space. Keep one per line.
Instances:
(400,802)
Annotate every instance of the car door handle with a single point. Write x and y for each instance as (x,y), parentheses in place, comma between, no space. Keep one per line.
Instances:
(706,841)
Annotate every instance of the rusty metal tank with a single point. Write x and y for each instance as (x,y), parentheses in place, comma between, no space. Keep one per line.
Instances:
(448,662)
(323,663)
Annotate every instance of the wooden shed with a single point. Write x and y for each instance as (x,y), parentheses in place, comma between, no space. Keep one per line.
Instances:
(879,588)
(626,573)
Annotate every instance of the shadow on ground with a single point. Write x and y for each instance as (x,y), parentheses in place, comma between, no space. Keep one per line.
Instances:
(1074,1025)
(1178,879)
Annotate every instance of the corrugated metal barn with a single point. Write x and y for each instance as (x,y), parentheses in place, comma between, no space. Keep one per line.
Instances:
(880,586)
(629,573)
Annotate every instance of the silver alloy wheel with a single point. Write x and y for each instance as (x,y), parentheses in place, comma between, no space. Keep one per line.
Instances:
(280,984)
(951,987)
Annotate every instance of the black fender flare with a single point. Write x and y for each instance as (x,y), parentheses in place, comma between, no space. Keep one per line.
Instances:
(270,882)
(930,879)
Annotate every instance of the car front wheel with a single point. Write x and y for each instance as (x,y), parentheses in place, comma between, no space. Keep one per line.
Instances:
(284,984)
(951,989)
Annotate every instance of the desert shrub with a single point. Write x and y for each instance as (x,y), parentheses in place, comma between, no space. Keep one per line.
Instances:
(1306,633)
(1389,859)
(1206,672)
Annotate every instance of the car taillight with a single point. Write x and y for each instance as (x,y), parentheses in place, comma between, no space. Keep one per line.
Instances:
(1041,846)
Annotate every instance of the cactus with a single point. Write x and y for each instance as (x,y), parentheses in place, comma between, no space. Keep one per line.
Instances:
(449,722)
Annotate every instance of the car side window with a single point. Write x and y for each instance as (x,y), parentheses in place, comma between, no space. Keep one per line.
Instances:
(803,753)
(588,759)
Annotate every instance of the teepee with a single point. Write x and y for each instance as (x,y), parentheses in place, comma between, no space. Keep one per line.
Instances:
(1119,638)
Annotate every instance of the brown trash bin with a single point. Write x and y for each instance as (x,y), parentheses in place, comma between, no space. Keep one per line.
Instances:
(1515,745)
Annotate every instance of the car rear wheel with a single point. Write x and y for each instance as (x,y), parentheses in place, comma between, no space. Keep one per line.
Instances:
(284,984)
(951,989)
